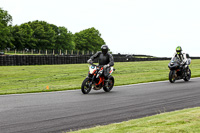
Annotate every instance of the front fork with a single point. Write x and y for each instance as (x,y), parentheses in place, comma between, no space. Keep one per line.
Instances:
(91,80)
(185,71)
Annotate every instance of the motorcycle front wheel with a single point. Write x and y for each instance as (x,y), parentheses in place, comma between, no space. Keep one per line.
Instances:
(172,77)
(187,78)
(85,87)
(110,84)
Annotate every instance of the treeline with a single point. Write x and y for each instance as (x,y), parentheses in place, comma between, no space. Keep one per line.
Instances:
(42,35)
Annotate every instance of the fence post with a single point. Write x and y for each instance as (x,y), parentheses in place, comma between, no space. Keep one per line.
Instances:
(53,52)
(60,51)
(15,51)
(46,52)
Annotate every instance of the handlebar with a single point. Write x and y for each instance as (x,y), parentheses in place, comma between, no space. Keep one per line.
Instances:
(99,66)
(93,64)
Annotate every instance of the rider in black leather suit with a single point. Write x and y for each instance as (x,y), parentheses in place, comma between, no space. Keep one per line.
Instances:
(105,59)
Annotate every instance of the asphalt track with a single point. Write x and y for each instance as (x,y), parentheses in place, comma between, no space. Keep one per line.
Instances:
(71,110)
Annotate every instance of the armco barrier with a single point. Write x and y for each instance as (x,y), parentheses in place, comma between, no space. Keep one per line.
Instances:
(13,60)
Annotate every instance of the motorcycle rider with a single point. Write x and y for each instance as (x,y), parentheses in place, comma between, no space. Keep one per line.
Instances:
(182,57)
(105,59)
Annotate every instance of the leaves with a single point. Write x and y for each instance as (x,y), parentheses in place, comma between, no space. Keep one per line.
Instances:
(42,35)
(5,36)
(64,39)
(89,39)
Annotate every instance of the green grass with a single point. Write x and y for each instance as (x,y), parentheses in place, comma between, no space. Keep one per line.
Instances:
(183,121)
(26,79)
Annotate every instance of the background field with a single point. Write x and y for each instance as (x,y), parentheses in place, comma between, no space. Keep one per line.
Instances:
(25,79)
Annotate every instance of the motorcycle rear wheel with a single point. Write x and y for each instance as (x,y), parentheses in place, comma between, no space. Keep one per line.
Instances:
(172,77)
(110,84)
(85,87)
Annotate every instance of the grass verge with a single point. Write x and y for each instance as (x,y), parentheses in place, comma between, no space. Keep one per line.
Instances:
(28,79)
(183,121)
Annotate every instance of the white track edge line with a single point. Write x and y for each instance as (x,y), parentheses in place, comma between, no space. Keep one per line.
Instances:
(79,89)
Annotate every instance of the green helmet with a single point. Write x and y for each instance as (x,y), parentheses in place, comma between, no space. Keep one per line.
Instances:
(178,49)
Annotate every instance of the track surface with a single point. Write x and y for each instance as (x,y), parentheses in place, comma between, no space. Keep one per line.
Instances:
(62,111)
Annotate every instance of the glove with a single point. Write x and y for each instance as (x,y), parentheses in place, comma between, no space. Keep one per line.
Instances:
(105,66)
(90,61)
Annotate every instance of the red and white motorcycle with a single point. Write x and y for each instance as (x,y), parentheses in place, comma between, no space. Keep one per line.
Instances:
(95,80)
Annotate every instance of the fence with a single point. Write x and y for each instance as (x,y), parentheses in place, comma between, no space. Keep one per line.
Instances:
(46,52)
(13,60)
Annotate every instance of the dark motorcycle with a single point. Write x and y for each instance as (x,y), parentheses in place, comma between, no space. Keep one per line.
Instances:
(178,71)
(95,80)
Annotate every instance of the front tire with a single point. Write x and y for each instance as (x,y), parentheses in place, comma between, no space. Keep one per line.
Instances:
(172,77)
(85,87)
(110,84)
(187,78)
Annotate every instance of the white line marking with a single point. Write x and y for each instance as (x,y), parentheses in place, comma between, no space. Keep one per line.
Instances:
(79,89)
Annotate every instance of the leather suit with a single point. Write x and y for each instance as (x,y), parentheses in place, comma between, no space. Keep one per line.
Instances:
(104,59)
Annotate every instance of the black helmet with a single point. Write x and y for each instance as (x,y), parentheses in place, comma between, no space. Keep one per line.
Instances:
(104,49)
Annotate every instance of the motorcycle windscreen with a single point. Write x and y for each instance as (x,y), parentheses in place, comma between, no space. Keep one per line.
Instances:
(92,69)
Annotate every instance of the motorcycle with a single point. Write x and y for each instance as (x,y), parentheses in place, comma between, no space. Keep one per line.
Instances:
(95,80)
(177,70)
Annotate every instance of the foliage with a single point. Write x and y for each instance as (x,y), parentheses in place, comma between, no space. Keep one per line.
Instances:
(42,35)
(22,36)
(5,27)
(64,39)
(89,39)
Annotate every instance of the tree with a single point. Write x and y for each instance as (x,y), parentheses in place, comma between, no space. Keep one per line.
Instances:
(89,39)
(17,37)
(43,35)
(64,39)
(23,36)
(5,27)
